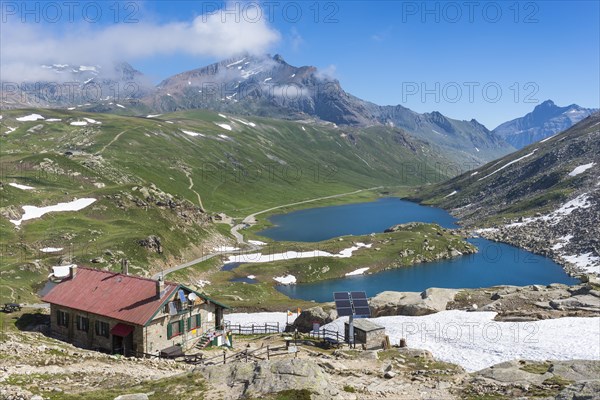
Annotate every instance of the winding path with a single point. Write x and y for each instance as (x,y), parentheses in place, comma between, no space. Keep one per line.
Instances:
(117,136)
(247,221)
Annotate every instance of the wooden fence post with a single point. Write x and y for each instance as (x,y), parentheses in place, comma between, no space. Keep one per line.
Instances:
(268,358)
(224,357)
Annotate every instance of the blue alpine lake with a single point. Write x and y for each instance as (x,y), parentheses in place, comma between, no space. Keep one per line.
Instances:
(494,264)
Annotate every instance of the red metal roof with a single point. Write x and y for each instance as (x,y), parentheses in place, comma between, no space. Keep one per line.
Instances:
(124,297)
(122,329)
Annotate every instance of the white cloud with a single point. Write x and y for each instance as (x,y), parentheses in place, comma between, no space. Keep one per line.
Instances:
(25,47)
(328,72)
(296,39)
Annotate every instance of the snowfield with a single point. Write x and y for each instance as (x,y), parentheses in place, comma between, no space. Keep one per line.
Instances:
(245,319)
(32,212)
(290,255)
(474,341)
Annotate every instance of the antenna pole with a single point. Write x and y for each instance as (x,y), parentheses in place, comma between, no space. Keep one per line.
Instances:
(351,331)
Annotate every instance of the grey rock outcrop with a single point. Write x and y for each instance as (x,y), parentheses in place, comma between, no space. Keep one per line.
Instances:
(430,301)
(307,317)
(267,377)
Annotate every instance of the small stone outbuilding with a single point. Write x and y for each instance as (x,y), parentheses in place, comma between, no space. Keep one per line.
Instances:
(366,333)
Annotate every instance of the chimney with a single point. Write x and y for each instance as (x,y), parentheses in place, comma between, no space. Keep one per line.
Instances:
(72,271)
(125,266)
(160,286)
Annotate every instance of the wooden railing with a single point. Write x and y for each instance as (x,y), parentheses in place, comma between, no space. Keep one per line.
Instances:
(328,335)
(253,329)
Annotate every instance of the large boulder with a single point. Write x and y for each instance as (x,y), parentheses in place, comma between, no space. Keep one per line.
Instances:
(304,321)
(589,390)
(261,378)
(430,301)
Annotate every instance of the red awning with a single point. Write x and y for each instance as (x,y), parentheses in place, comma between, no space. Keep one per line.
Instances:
(121,329)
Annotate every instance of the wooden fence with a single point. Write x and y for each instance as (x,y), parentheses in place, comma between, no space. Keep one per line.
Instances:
(253,329)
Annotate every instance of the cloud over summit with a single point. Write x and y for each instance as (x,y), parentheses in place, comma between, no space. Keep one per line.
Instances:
(25,47)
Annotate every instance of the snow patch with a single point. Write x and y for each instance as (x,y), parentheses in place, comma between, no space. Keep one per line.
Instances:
(51,249)
(79,123)
(509,164)
(192,133)
(224,126)
(153,115)
(359,271)
(32,212)
(118,105)
(548,138)
(92,121)
(581,169)
(256,242)
(286,280)
(587,262)
(451,194)
(19,186)
(30,117)
(224,249)
(53,120)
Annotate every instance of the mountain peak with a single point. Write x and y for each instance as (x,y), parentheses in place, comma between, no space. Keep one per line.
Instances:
(547,103)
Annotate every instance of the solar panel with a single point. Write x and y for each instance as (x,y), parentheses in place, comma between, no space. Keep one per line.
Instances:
(360,302)
(352,304)
(341,295)
(364,312)
(345,312)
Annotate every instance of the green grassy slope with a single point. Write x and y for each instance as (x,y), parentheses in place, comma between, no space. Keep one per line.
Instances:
(151,178)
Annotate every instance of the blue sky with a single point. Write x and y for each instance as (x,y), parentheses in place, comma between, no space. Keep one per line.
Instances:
(440,56)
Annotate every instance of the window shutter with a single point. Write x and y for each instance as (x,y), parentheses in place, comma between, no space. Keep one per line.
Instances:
(169,331)
(189,323)
(181,326)
(197,320)
(67,319)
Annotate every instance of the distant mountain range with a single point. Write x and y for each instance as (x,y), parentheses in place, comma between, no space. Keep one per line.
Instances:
(269,87)
(81,86)
(545,120)
(545,197)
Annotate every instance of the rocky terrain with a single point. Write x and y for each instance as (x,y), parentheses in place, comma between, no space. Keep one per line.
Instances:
(35,367)
(511,303)
(544,198)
